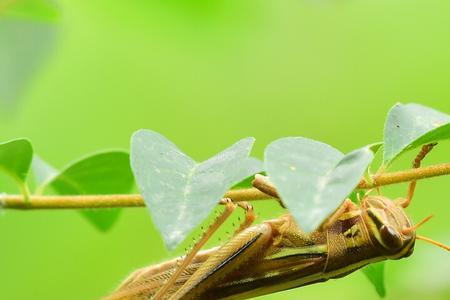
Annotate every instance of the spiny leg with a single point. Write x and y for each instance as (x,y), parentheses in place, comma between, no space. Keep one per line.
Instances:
(230,207)
(249,216)
(416,164)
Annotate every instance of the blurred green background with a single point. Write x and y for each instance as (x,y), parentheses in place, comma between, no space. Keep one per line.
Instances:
(205,74)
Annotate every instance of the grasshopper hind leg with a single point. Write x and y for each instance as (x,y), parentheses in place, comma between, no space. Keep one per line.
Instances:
(163,280)
(416,164)
(249,245)
(249,216)
(230,206)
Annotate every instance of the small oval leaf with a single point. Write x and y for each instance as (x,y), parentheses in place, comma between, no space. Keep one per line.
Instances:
(412,125)
(179,192)
(313,178)
(15,161)
(101,173)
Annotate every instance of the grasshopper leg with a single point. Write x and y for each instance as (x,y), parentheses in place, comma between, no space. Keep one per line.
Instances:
(346,207)
(416,164)
(249,216)
(263,184)
(230,207)
(244,248)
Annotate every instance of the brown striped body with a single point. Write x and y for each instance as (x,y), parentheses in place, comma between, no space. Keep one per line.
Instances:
(276,255)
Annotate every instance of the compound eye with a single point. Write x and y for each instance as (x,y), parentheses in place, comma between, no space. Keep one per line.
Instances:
(391,237)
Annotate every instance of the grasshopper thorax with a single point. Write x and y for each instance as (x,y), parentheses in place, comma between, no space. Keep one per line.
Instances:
(386,222)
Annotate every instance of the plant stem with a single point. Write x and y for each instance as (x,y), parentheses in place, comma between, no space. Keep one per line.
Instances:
(406,175)
(251,194)
(104,201)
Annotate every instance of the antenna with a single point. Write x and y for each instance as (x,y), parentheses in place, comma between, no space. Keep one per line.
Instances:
(428,240)
(423,238)
(413,228)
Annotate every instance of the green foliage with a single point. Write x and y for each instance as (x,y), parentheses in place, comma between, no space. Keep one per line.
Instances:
(179,191)
(411,125)
(375,273)
(101,173)
(313,178)
(15,160)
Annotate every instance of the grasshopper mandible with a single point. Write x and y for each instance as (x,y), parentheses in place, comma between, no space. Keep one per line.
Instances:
(276,255)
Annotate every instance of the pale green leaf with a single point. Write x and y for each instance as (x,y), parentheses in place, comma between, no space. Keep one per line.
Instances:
(412,125)
(313,178)
(24,46)
(375,274)
(180,192)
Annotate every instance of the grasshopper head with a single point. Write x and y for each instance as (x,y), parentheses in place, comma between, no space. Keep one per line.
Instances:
(386,222)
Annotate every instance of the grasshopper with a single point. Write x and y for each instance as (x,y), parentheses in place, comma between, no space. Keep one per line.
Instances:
(277,255)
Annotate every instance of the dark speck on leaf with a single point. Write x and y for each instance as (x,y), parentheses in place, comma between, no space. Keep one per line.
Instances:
(398,126)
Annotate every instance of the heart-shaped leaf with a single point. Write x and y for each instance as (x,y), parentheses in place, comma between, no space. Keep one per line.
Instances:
(375,274)
(412,125)
(102,173)
(15,160)
(179,192)
(313,178)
